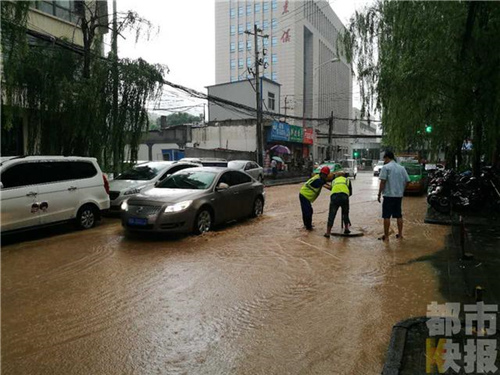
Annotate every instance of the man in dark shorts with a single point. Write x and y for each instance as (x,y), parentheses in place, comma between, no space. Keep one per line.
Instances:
(393,180)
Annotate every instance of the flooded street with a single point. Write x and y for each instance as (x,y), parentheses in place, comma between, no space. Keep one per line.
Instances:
(256,297)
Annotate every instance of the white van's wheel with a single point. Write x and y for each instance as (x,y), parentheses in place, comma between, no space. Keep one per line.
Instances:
(86,217)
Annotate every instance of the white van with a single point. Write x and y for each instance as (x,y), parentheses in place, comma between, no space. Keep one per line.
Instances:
(350,166)
(44,190)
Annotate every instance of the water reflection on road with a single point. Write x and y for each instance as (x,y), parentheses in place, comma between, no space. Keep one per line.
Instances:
(257,297)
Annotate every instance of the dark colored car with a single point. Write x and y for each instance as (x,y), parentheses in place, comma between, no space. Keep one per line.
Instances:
(194,199)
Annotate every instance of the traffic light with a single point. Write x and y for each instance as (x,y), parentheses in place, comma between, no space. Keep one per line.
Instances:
(428,129)
(356,154)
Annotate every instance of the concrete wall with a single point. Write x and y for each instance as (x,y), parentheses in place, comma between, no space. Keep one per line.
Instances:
(224,154)
(233,137)
(240,92)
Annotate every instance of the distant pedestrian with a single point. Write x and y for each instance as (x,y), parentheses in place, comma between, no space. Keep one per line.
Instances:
(393,180)
(341,191)
(274,168)
(308,194)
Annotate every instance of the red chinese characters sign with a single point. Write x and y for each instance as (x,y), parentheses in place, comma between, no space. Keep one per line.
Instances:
(308,136)
(285,38)
(285,7)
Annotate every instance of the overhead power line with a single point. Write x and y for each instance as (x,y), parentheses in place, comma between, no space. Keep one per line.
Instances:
(191,92)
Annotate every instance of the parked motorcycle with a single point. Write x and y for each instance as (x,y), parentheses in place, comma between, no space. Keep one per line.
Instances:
(464,192)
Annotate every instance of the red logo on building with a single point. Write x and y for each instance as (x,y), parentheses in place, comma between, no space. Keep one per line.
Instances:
(285,38)
(285,7)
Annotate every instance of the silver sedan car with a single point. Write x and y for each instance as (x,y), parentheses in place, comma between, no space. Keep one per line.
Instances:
(194,199)
(250,167)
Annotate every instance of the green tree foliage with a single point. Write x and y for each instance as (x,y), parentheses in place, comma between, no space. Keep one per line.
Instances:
(65,94)
(181,118)
(425,63)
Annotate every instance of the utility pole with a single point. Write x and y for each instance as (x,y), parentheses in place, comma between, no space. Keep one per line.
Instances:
(258,99)
(330,131)
(286,106)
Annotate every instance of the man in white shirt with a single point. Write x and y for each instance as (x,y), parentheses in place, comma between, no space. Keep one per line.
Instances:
(393,180)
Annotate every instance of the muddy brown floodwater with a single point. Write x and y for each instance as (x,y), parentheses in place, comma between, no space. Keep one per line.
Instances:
(256,297)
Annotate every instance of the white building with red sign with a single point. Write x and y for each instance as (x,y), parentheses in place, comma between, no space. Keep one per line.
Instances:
(300,54)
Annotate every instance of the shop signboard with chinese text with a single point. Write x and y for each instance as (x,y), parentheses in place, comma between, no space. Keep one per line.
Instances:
(280,131)
(296,134)
(308,136)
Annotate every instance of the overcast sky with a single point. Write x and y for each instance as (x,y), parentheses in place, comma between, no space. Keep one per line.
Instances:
(185,41)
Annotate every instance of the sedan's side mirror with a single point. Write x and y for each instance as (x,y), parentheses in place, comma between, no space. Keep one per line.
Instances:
(222,186)
(157,183)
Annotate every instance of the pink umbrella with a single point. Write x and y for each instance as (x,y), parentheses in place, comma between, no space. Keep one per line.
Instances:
(279,149)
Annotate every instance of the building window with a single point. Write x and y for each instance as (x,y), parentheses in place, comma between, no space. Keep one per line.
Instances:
(240,28)
(265,25)
(266,42)
(66,10)
(274,24)
(249,76)
(249,9)
(274,76)
(240,64)
(258,24)
(249,26)
(274,41)
(274,58)
(233,30)
(265,7)
(249,45)
(240,11)
(266,60)
(249,61)
(233,79)
(240,46)
(270,101)
(266,75)
(232,12)
(257,7)
(233,47)
(233,64)
(274,4)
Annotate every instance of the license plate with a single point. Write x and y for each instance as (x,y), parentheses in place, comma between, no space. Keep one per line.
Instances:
(137,221)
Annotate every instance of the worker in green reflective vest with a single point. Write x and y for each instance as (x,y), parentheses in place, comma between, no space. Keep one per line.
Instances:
(308,194)
(341,191)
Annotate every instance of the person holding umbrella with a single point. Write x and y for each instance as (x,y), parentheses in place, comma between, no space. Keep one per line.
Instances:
(308,194)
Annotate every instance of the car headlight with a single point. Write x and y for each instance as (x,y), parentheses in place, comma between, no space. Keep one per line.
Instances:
(132,191)
(124,206)
(181,206)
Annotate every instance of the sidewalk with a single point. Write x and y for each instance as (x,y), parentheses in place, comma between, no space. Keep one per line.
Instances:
(458,279)
(284,181)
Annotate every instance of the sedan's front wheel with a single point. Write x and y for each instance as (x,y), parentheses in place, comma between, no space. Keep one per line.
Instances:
(258,207)
(203,222)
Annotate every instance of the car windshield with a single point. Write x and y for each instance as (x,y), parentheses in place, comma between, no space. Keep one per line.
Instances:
(237,164)
(346,164)
(142,172)
(199,180)
(413,170)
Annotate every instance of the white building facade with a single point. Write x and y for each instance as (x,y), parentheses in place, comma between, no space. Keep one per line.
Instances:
(301,44)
